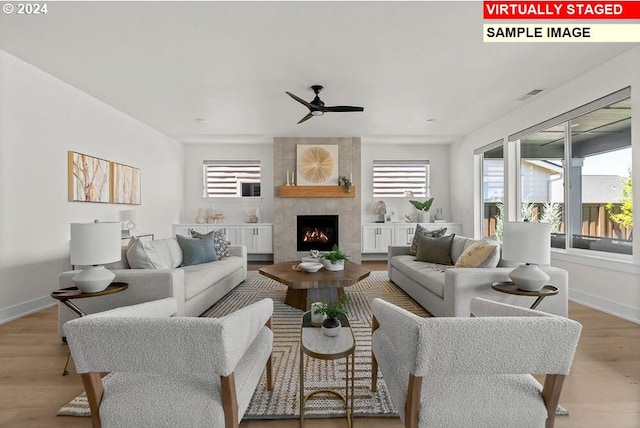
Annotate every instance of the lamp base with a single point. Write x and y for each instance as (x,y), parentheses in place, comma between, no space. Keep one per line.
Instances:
(529,277)
(93,279)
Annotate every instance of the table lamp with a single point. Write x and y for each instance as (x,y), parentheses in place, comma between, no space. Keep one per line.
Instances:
(92,245)
(530,243)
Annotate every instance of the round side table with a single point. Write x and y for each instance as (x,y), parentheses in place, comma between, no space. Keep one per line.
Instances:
(65,296)
(510,288)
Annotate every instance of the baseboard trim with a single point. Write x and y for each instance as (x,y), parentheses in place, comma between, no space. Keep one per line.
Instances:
(26,308)
(619,310)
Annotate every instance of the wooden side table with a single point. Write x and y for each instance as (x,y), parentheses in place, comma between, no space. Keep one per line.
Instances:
(65,296)
(510,288)
(316,344)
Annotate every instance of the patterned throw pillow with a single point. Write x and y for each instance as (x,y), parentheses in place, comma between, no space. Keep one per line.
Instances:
(423,231)
(479,254)
(219,242)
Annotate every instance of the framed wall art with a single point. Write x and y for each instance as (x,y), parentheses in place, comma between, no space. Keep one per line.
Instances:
(317,165)
(125,184)
(89,178)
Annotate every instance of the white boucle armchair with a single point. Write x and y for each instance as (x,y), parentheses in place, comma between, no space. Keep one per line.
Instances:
(476,371)
(171,371)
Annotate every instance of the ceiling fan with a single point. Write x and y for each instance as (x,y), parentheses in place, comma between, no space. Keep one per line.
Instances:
(316,106)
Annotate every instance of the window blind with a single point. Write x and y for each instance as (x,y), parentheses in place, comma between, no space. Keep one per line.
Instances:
(392,179)
(225,178)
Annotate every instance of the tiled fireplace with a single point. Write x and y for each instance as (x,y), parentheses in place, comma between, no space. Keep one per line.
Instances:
(287,210)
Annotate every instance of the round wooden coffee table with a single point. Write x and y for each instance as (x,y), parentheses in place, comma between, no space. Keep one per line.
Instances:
(306,287)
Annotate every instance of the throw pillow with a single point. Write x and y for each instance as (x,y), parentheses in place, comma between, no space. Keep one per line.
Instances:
(479,254)
(423,231)
(144,255)
(196,251)
(435,250)
(220,244)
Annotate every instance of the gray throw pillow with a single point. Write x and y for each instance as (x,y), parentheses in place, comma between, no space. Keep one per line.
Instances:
(196,251)
(220,244)
(423,231)
(435,250)
(144,255)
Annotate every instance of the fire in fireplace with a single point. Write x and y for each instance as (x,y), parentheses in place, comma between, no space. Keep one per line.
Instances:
(316,232)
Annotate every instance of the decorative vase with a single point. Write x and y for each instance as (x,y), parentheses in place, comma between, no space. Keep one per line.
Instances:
(438,215)
(331,327)
(424,217)
(200,218)
(317,319)
(338,265)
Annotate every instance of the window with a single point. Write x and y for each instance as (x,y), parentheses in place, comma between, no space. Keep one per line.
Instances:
(575,173)
(492,192)
(400,179)
(231,179)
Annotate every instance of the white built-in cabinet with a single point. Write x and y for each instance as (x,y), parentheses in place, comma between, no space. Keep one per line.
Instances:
(257,237)
(376,237)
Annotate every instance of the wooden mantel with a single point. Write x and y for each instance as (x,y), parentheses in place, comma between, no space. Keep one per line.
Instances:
(316,192)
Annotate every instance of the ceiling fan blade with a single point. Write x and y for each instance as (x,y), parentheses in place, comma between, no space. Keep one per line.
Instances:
(301,101)
(307,117)
(342,108)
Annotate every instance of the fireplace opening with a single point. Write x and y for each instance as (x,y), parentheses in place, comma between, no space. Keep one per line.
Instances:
(316,232)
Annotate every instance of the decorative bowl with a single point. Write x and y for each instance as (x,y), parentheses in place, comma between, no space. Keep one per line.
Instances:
(310,266)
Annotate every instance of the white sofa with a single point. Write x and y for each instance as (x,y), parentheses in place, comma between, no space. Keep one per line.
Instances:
(446,291)
(195,288)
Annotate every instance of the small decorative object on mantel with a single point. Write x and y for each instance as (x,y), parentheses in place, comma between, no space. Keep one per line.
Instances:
(344,182)
(331,325)
(423,209)
(335,259)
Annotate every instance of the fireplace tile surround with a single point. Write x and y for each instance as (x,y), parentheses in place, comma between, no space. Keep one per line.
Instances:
(287,209)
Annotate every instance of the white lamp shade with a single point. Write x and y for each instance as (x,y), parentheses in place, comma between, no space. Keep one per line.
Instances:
(95,243)
(526,242)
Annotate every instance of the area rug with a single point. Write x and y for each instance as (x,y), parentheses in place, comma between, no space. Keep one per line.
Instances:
(283,401)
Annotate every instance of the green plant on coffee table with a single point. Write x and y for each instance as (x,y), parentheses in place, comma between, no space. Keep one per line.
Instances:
(335,255)
(422,206)
(333,309)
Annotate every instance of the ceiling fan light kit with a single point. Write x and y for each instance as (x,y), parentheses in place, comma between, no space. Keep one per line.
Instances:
(316,106)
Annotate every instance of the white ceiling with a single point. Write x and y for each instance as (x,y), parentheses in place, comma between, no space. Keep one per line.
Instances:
(170,63)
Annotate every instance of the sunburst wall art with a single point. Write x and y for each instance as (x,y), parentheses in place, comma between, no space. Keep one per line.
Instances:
(317,165)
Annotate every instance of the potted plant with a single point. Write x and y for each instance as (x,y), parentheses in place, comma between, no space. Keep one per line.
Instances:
(331,324)
(334,259)
(345,182)
(423,208)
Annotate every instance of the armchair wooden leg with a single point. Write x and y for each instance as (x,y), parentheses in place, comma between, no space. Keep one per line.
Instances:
(93,387)
(270,373)
(551,395)
(229,401)
(375,324)
(412,406)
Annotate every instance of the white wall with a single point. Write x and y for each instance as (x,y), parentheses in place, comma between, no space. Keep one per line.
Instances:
(232,208)
(41,118)
(438,157)
(611,286)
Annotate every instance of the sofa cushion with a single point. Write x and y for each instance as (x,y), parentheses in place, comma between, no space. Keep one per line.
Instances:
(427,275)
(198,278)
(220,243)
(479,254)
(435,250)
(170,250)
(145,255)
(423,231)
(196,251)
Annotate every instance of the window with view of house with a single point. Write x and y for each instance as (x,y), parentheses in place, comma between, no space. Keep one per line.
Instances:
(575,173)
(231,179)
(400,178)
(492,191)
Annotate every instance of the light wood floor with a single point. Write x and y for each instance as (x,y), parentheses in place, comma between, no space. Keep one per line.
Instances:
(602,391)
